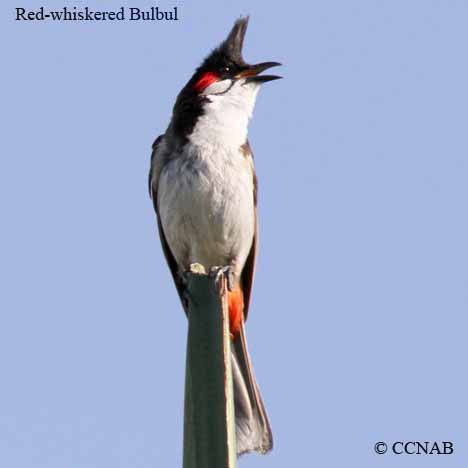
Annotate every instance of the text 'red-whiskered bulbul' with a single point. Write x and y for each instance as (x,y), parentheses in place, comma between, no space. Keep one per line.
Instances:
(204,189)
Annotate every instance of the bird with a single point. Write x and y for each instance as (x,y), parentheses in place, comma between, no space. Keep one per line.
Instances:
(203,185)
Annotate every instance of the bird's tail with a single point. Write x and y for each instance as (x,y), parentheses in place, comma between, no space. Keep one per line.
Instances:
(253,432)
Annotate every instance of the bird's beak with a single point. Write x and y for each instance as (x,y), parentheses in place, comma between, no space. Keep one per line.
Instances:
(252,73)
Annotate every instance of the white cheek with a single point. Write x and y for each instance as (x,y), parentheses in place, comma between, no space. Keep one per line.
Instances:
(226,115)
(243,96)
(217,87)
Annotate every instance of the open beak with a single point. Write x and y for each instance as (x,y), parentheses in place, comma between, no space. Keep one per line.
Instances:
(252,73)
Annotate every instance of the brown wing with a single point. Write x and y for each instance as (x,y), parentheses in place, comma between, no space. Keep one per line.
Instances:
(249,267)
(153,189)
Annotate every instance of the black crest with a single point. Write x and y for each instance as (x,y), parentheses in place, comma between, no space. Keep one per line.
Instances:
(231,48)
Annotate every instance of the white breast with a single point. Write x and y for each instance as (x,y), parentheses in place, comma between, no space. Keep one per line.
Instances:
(206,207)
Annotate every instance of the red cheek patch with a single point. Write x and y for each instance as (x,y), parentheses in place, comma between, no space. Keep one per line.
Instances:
(206,80)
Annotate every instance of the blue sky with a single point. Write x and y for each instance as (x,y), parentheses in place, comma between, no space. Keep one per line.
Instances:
(358,323)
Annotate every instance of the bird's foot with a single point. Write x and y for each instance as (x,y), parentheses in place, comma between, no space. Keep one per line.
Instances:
(227,271)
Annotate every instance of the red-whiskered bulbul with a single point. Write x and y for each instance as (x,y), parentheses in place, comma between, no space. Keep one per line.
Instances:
(204,189)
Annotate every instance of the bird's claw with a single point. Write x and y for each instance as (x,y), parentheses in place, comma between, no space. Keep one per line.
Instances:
(227,271)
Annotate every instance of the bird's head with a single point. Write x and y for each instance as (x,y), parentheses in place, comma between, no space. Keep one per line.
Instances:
(225,81)
(225,67)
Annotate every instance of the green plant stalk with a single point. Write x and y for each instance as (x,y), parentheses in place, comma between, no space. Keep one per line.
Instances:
(209,421)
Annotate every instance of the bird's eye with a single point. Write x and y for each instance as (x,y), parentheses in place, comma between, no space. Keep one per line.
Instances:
(227,69)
